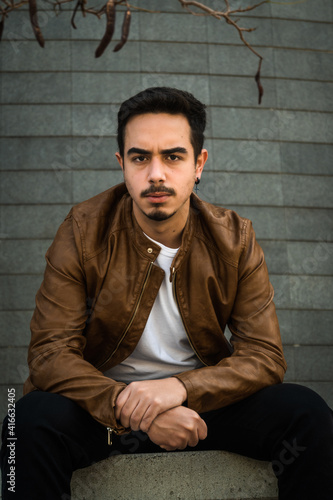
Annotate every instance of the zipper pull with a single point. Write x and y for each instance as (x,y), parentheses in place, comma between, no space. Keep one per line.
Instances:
(172,274)
(110,431)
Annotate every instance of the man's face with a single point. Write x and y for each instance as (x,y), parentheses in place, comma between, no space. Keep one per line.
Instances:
(159,166)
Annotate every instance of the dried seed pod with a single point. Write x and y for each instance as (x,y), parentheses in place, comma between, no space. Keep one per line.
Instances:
(110,22)
(34,22)
(257,79)
(124,31)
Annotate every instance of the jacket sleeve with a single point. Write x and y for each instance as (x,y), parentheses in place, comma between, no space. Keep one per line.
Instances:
(55,354)
(257,360)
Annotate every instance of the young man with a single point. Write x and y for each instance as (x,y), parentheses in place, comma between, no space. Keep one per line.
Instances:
(128,332)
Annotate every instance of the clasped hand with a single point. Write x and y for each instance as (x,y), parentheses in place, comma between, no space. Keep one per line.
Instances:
(154,407)
(177,428)
(140,402)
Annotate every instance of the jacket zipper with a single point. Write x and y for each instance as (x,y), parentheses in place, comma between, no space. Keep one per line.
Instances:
(109,429)
(173,278)
(110,432)
(132,318)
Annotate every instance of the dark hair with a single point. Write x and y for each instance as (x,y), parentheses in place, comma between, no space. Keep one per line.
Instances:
(165,100)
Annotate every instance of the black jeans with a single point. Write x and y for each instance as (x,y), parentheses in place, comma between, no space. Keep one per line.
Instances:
(287,424)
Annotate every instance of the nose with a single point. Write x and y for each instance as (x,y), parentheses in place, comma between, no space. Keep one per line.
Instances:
(156,171)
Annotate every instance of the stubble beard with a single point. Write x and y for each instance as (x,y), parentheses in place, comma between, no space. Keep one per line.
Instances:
(159,215)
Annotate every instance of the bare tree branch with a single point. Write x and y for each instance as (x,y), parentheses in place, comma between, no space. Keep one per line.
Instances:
(109,9)
(226,16)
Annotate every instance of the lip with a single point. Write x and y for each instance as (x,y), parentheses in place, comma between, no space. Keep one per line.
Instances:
(158,197)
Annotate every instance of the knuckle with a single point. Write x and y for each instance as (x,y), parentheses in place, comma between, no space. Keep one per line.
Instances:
(125,412)
(157,402)
(134,422)
(190,426)
(148,417)
(145,424)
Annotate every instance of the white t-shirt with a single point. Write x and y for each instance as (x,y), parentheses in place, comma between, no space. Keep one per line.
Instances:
(163,349)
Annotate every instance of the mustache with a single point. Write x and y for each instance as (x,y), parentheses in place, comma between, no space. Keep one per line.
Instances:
(157,189)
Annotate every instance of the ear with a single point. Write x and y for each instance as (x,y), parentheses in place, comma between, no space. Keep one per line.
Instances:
(120,160)
(201,160)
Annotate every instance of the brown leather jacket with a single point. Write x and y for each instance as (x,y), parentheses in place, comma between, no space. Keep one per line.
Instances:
(99,287)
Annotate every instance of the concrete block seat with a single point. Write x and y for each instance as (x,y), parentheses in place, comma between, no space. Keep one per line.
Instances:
(201,475)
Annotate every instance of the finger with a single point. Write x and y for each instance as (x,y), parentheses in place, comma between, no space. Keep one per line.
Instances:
(120,402)
(129,409)
(173,447)
(142,417)
(168,448)
(183,445)
(148,418)
(165,447)
(202,430)
(193,439)
(136,417)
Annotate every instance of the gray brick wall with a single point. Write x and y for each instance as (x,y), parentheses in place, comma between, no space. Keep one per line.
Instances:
(271,163)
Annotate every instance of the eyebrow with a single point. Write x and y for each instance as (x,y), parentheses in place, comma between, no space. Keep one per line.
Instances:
(169,151)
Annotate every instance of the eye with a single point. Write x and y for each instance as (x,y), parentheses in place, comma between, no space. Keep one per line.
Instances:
(173,157)
(139,159)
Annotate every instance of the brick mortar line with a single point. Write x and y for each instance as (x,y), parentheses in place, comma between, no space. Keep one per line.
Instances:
(207,171)
(238,139)
(241,15)
(273,206)
(296,346)
(31,310)
(41,274)
(223,206)
(135,72)
(184,42)
(210,138)
(70,204)
(109,170)
(216,106)
(260,240)
(209,106)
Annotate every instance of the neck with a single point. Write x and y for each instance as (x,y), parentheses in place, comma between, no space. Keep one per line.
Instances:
(169,238)
(168,232)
